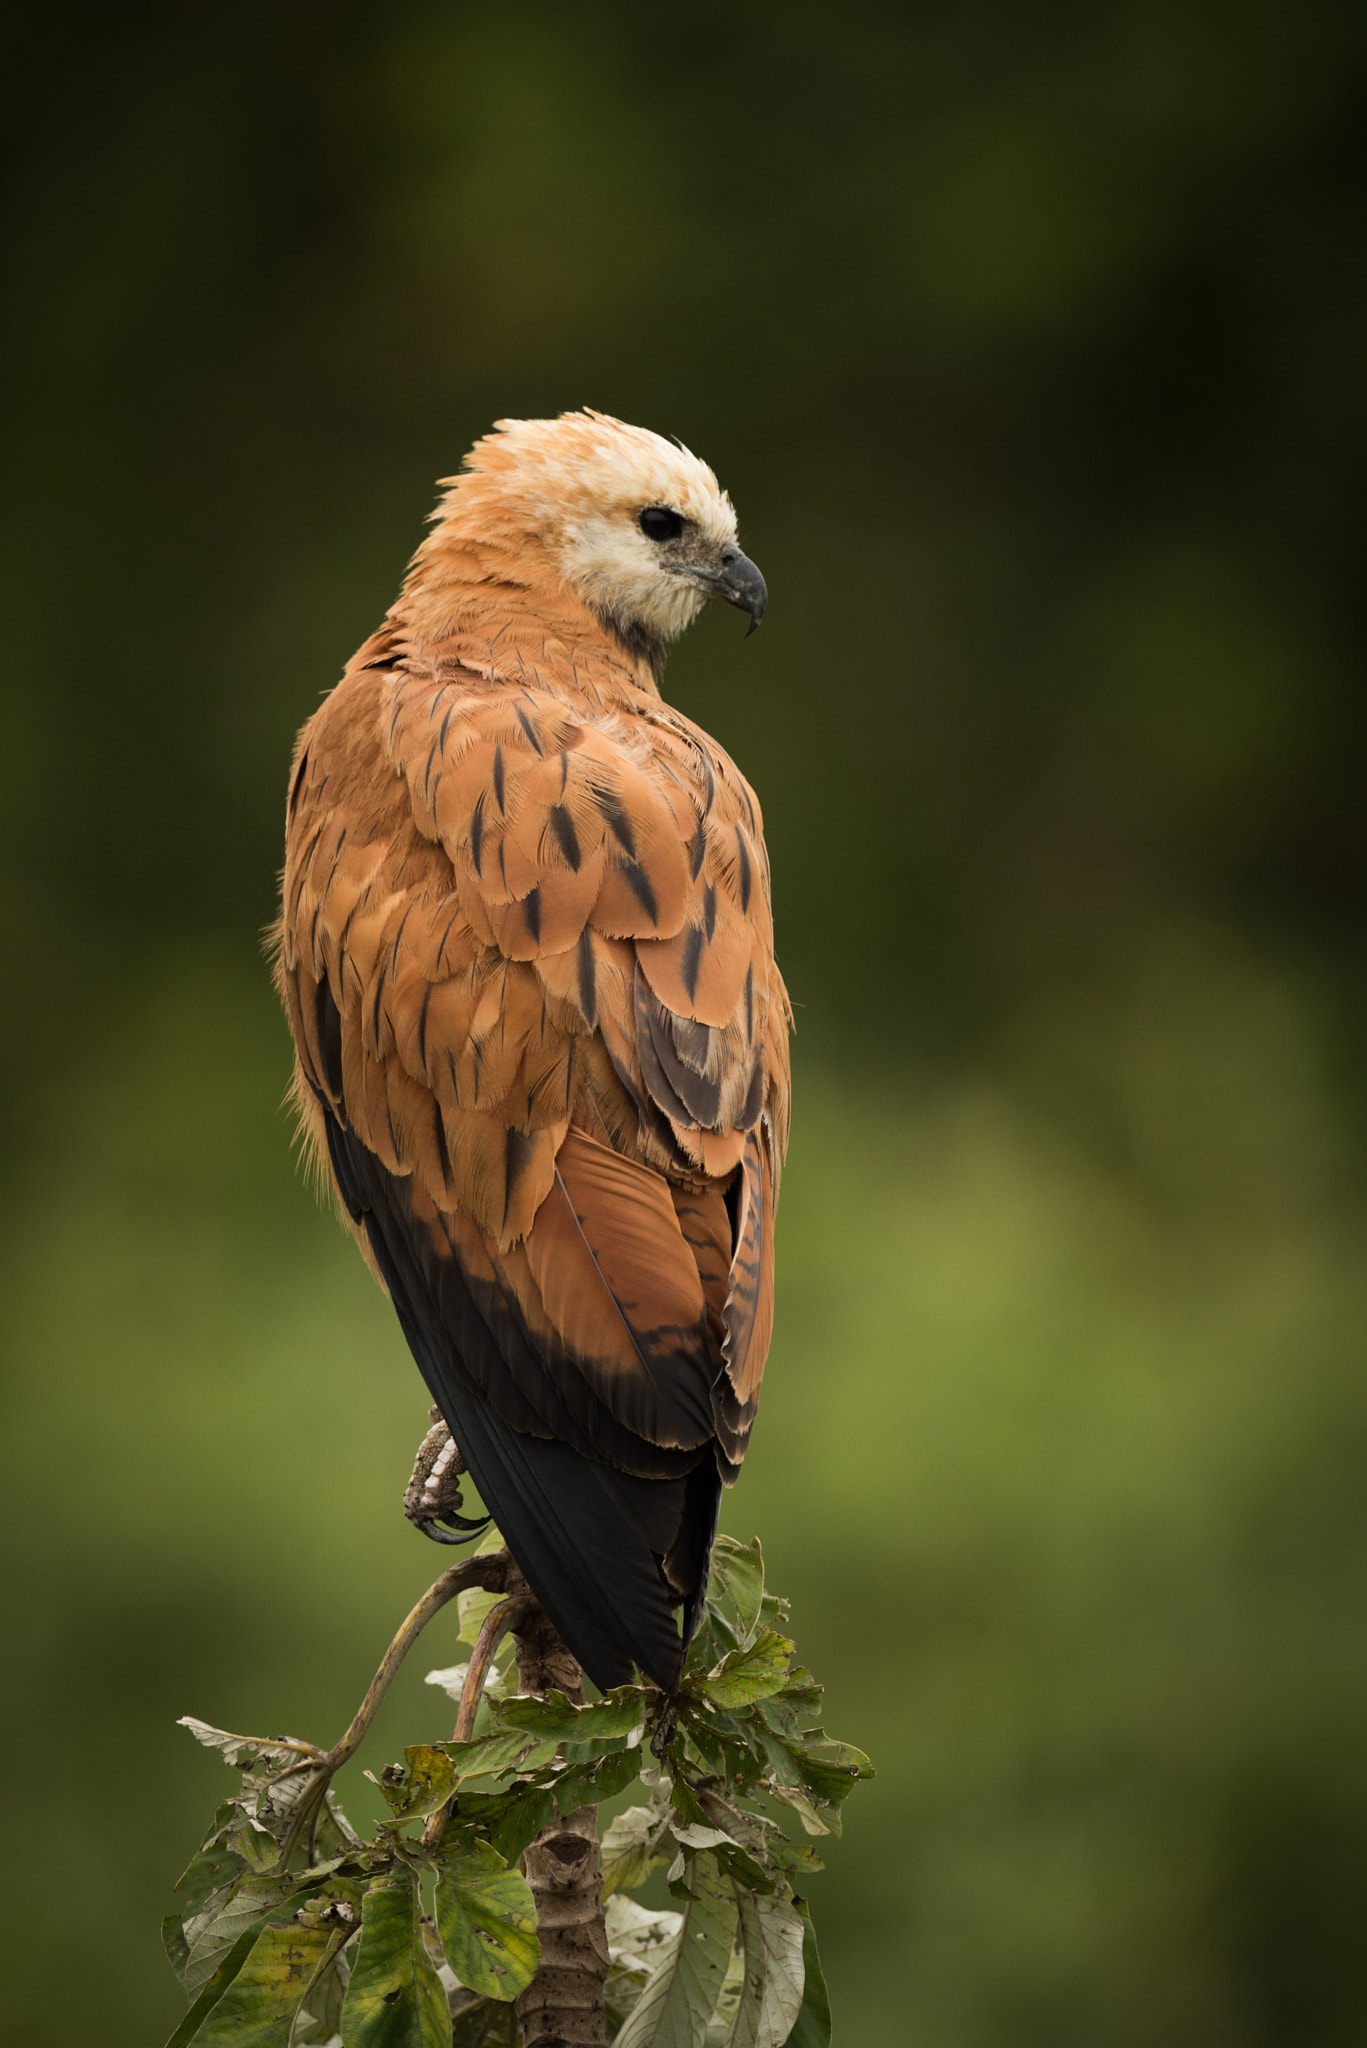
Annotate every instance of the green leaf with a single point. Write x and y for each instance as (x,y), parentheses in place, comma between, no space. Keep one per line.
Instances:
(749,1674)
(486,1919)
(713,1755)
(176,1946)
(830,1769)
(428,1782)
(214,1868)
(813,2025)
(215,1862)
(712,1638)
(257,2010)
(637,1843)
(395,1998)
(636,1939)
(609,1719)
(508,1749)
(739,1570)
(742,1868)
(779,1714)
(731,1849)
(792,1860)
(213,1990)
(771,1988)
(334,1834)
(600,1781)
(802,1690)
(732,1743)
(682,1992)
(258,1848)
(506,1820)
(697,1835)
(801,1805)
(728,1999)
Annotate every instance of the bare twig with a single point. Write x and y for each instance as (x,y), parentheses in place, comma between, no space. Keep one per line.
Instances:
(497,1622)
(490,1572)
(495,1626)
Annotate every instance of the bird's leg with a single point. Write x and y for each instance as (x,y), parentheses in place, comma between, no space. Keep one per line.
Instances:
(432,1499)
(562,2007)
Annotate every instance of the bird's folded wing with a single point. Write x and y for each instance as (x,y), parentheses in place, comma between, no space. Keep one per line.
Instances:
(623,855)
(502,915)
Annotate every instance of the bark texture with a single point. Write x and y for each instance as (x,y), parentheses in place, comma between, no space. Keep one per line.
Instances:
(562,2007)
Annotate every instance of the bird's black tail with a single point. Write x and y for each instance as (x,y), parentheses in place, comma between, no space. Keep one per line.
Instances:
(591,1541)
(603,1550)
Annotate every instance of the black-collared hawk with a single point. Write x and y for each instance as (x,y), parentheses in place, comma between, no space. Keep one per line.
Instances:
(526,951)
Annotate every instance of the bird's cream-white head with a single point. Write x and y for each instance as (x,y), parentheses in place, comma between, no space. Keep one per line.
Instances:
(636,526)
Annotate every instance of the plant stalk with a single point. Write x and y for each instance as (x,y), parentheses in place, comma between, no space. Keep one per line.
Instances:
(491,1573)
(494,1627)
(563,2005)
(488,1572)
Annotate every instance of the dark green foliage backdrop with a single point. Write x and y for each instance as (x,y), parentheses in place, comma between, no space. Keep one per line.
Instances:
(1030,342)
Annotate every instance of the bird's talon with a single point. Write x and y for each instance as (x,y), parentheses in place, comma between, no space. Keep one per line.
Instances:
(437,1534)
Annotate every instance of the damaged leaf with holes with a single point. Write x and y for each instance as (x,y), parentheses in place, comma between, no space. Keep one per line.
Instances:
(486,1922)
(395,1998)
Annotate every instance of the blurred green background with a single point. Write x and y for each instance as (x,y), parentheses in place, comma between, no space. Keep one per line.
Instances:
(1031,344)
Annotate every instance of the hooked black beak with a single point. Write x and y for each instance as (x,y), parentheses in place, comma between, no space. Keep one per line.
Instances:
(739,582)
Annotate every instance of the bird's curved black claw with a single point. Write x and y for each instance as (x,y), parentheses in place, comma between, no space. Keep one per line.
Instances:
(431,1528)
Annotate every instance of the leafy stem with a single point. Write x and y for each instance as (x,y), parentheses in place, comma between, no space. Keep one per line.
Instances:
(502,1820)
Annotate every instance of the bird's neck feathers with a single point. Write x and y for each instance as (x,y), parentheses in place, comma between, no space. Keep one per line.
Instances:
(484,590)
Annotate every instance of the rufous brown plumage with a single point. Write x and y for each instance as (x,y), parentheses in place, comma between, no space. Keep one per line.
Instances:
(526,952)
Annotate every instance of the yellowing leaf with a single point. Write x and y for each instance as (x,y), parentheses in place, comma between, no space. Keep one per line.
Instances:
(749,1674)
(486,1919)
(427,1783)
(257,2010)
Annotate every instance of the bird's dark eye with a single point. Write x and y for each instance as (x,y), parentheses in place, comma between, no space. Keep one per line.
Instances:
(657,522)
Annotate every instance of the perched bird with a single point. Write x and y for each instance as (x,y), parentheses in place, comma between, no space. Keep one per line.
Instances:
(526,952)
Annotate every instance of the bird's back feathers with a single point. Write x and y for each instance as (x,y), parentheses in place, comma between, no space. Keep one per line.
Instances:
(526,951)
